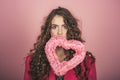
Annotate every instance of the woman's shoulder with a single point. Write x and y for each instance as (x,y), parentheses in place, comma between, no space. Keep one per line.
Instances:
(90,58)
(27,75)
(28,58)
(27,62)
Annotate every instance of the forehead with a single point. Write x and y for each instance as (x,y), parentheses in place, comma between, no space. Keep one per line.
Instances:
(57,19)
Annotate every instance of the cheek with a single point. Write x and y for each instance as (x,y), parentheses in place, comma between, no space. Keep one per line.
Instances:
(53,32)
(65,31)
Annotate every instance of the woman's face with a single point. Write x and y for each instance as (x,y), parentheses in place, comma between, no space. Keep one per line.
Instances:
(58,27)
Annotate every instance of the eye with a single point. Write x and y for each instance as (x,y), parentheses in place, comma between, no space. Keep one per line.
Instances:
(53,26)
(65,26)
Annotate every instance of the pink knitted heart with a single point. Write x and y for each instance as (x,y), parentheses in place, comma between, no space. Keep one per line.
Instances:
(60,68)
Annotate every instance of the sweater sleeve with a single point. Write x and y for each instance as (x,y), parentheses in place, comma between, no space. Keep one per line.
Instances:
(92,67)
(27,69)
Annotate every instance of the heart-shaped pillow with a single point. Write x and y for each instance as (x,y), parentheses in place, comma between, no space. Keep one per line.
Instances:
(60,68)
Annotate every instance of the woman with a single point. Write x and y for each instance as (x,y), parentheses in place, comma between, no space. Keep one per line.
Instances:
(59,22)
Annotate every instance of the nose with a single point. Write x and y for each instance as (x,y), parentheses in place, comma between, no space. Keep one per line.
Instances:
(59,30)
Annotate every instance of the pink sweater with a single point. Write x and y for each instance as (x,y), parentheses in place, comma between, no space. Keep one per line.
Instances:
(70,75)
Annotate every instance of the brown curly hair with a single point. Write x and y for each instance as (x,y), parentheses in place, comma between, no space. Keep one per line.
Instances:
(39,65)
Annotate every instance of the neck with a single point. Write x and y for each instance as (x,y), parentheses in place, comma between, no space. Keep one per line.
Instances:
(60,53)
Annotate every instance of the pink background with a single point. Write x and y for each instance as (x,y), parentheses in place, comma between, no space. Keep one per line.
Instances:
(20,22)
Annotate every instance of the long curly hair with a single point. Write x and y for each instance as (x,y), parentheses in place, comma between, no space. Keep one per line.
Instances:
(39,65)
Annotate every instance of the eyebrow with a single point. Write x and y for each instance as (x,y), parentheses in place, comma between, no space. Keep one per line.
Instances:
(57,25)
